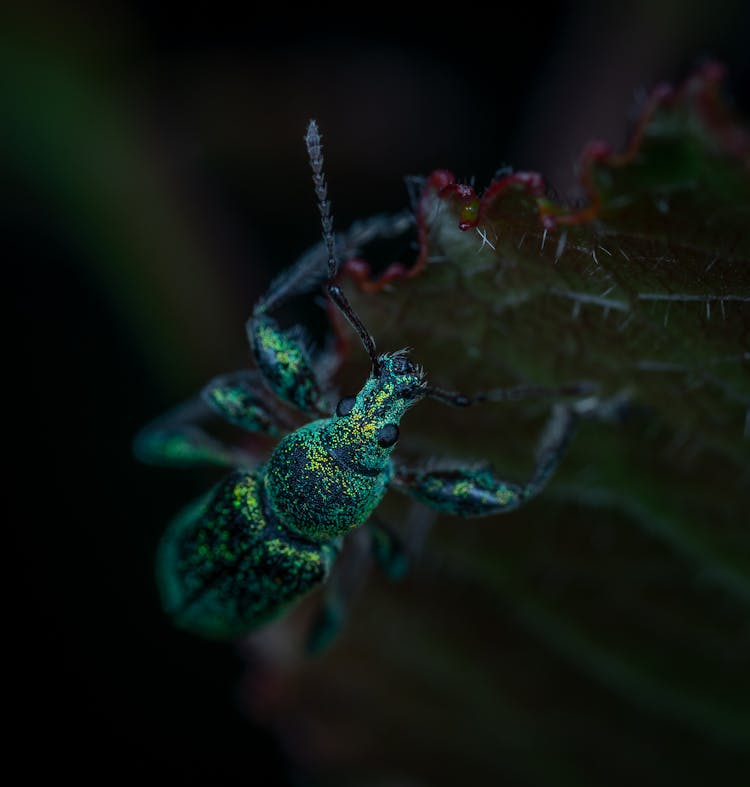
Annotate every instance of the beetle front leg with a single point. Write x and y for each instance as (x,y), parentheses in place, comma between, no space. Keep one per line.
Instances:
(285,363)
(472,492)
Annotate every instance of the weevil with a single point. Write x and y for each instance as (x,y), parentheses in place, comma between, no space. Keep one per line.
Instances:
(263,538)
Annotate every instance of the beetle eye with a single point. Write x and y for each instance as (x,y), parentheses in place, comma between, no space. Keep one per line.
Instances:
(346,405)
(388,435)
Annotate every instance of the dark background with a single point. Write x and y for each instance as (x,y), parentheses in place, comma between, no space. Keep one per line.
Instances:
(154,178)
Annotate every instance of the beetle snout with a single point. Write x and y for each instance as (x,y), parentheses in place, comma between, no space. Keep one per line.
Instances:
(402,365)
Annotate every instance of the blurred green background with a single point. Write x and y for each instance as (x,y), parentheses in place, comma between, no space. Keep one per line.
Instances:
(154,180)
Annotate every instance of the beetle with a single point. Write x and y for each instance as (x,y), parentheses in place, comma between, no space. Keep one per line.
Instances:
(263,538)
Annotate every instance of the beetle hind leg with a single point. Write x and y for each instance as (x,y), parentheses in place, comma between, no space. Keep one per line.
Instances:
(375,543)
(180,437)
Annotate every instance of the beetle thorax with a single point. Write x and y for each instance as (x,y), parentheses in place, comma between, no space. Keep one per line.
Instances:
(317,490)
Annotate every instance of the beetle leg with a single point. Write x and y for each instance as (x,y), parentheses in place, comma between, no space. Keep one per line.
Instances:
(388,549)
(347,577)
(474,492)
(514,394)
(238,397)
(286,365)
(179,437)
(376,543)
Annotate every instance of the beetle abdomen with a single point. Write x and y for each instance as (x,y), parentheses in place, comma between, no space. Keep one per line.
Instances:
(223,568)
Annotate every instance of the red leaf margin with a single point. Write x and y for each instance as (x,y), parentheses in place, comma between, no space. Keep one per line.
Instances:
(702,92)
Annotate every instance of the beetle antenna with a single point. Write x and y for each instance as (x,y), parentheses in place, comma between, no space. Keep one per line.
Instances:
(315,154)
